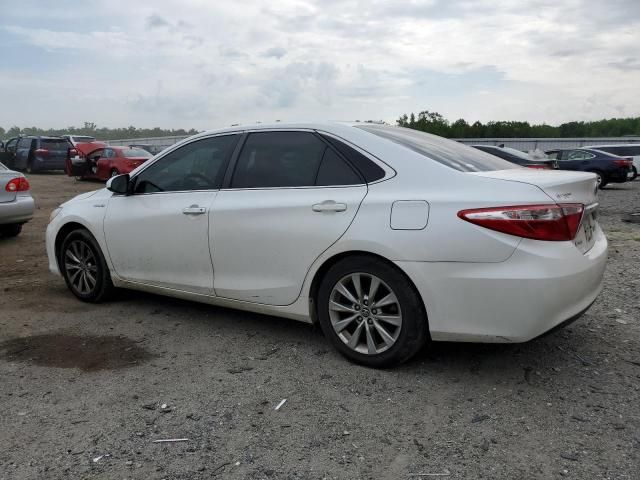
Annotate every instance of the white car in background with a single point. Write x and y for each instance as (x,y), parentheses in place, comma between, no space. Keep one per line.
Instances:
(386,236)
(76,139)
(629,150)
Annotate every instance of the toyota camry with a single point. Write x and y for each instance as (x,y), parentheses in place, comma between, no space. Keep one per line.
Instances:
(385,236)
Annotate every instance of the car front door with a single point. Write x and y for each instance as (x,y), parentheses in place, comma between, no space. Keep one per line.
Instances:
(290,197)
(159,234)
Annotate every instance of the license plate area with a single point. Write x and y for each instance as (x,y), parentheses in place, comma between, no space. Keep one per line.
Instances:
(585,238)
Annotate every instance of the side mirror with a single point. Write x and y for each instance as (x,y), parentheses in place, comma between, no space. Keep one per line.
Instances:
(119,184)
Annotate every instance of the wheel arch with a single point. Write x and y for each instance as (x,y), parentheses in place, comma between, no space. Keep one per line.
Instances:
(331,261)
(63,232)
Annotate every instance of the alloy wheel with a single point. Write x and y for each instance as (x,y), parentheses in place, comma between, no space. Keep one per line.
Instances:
(81,266)
(365,313)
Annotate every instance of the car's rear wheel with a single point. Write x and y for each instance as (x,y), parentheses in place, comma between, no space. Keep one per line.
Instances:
(601,180)
(84,268)
(12,230)
(371,312)
(635,173)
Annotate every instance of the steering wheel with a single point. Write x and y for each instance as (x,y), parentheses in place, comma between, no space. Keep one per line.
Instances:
(197,180)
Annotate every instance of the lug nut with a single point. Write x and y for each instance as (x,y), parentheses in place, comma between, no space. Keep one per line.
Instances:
(370,322)
(359,319)
(365,302)
(374,311)
(357,307)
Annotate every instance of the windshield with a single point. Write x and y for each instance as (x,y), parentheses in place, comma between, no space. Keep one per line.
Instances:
(447,152)
(136,153)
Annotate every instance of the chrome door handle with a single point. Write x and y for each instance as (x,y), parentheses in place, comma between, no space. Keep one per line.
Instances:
(329,206)
(194,210)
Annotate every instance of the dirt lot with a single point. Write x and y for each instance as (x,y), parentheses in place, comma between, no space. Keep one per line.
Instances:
(85,390)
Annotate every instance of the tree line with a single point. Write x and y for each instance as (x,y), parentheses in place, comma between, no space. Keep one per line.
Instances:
(426,121)
(433,122)
(101,133)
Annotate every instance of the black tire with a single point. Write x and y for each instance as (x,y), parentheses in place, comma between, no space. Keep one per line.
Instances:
(413,331)
(602,182)
(12,230)
(635,173)
(94,267)
(29,167)
(114,172)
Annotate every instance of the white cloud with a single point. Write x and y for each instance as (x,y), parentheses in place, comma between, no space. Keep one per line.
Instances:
(201,64)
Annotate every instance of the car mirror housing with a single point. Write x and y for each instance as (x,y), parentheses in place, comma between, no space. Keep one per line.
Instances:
(119,184)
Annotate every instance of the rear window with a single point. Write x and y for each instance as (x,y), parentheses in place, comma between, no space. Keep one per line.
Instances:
(55,143)
(136,152)
(81,139)
(447,152)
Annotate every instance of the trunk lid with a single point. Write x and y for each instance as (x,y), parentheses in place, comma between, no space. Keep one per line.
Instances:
(561,185)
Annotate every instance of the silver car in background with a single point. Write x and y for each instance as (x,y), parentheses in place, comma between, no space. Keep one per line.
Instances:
(16,202)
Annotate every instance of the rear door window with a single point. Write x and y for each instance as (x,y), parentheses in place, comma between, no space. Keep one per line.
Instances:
(447,152)
(278,159)
(335,171)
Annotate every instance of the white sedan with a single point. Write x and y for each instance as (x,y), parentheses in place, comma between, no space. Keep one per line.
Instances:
(388,237)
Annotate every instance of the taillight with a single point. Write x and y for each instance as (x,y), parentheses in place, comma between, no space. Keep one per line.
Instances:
(539,222)
(623,163)
(19,184)
(41,152)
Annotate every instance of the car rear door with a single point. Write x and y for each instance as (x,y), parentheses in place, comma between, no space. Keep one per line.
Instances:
(159,234)
(289,198)
(23,149)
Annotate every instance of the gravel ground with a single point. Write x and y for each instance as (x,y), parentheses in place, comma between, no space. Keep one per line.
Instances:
(85,390)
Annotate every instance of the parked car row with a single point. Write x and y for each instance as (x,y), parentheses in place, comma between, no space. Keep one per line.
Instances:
(610,163)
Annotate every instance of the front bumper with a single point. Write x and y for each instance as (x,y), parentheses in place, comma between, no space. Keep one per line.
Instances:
(18,211)
(541,286)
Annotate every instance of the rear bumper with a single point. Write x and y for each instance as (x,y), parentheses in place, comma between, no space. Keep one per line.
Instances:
(541,286)
(18,211)
(48,163)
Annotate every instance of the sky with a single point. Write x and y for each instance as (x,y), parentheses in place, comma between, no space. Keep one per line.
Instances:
(212,63)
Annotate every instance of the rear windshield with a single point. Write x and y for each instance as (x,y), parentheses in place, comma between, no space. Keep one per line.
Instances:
(447,152)
(136,152)
(55,143)
(81,139)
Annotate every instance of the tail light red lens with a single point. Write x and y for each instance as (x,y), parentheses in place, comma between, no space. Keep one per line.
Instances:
(42,152)
(623,162)
(19,184)
(556,223)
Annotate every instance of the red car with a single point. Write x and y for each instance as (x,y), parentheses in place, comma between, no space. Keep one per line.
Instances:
(98,161)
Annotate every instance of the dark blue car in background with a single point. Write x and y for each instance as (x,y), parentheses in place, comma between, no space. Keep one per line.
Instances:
(609,168)
(37,153)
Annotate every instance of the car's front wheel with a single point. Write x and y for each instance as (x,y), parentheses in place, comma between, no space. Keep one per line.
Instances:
(371,312)
(84,268)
